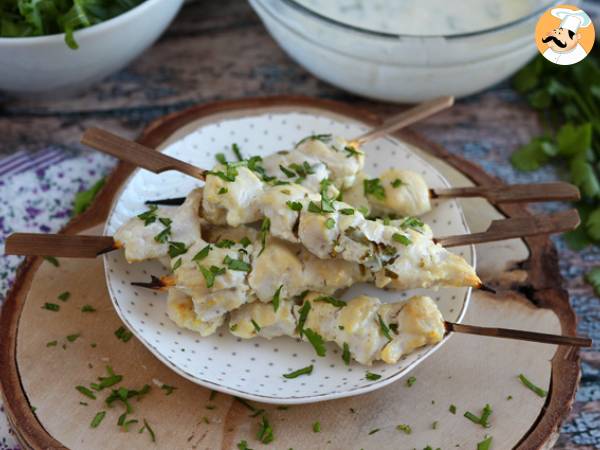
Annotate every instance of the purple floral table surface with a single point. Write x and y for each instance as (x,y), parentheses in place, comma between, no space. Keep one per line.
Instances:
(218,50)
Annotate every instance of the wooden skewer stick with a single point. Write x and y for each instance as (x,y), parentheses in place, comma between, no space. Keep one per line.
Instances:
(517,227)
(80,246)
(514,193)
(61,245)
(137,154)
(519,335)
(406,118)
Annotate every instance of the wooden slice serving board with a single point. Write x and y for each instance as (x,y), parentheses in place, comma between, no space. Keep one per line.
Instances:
(38,383)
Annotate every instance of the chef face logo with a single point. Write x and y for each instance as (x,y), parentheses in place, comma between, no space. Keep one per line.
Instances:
(564,35)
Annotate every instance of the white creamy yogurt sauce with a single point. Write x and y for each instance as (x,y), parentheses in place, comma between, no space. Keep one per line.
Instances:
(424,17)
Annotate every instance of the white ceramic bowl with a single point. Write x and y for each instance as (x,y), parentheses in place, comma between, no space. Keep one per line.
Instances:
(253,368)
(46,66)
(399,68)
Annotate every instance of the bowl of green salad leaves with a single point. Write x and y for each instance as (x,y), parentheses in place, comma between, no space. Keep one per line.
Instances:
(53,48)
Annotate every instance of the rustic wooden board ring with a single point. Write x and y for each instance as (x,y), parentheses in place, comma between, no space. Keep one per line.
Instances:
(544,287)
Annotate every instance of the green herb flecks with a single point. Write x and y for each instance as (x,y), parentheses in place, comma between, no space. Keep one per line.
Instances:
(237,152)
(406,429)
(346,354)
(149,429)
(401,239)
(452,409)
(347,211)
(372,376)
(397,183)
(276,298)
(97,419)
(88,308)
(374,188)
(236,264)
(176,249)
(316,341)
(294,206)
(352,151)
(485,444)
(265,432)
(64,296)
(210,274)
(265,227)
(149,216)
(296,373)
(202,253)
(52,260)
(51,306)
(325,138)
(303,315)
(123,334)
(410,381)
(316,427)
(73,337)
(538,390)
(331,300)
(483,420)
(385,330)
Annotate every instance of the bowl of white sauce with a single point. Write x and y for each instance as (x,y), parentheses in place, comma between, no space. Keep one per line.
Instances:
(406,51)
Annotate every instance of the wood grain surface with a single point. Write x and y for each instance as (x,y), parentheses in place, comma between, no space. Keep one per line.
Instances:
(217,50)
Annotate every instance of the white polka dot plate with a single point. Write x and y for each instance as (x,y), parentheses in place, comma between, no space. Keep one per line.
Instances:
(254,369)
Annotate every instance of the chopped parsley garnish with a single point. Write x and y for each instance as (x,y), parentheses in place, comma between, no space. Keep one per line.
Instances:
(347,211)
(73,337)
(484,419)
(245,242)
(330,223)
(108,381)
(177,249)
(288,173)
(412,222)
(410,381)
(485,444)
(295,374)
(374,188)
(123,334)
(168,389)
(372,376)
(51,306)
(325,138)
(452,409)
(52,260)
(326,202)
(404,428)
(265,433)
(150,430)
(265,227)
(294,206)
(363,210)
(202,253)
(302,318)
(434,425)
(236,264)
(255,325)
(331,300)
(87,392)
(177,264)
(51,344)
(165,234)
(397,183)
(538,390)
(225,243)
(351,151)
(401,239)
(316,340)
(243,445)
(314,208)
(149,216)
(276,298)
(346,354)
(385,330)
(316,426)
(210,274)
(222,191)
(64,296)
(97,419)
(374,431)
(220,157)
(237,152)
(87,308)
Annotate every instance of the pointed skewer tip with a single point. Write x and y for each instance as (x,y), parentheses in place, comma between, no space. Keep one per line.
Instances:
(486,288)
